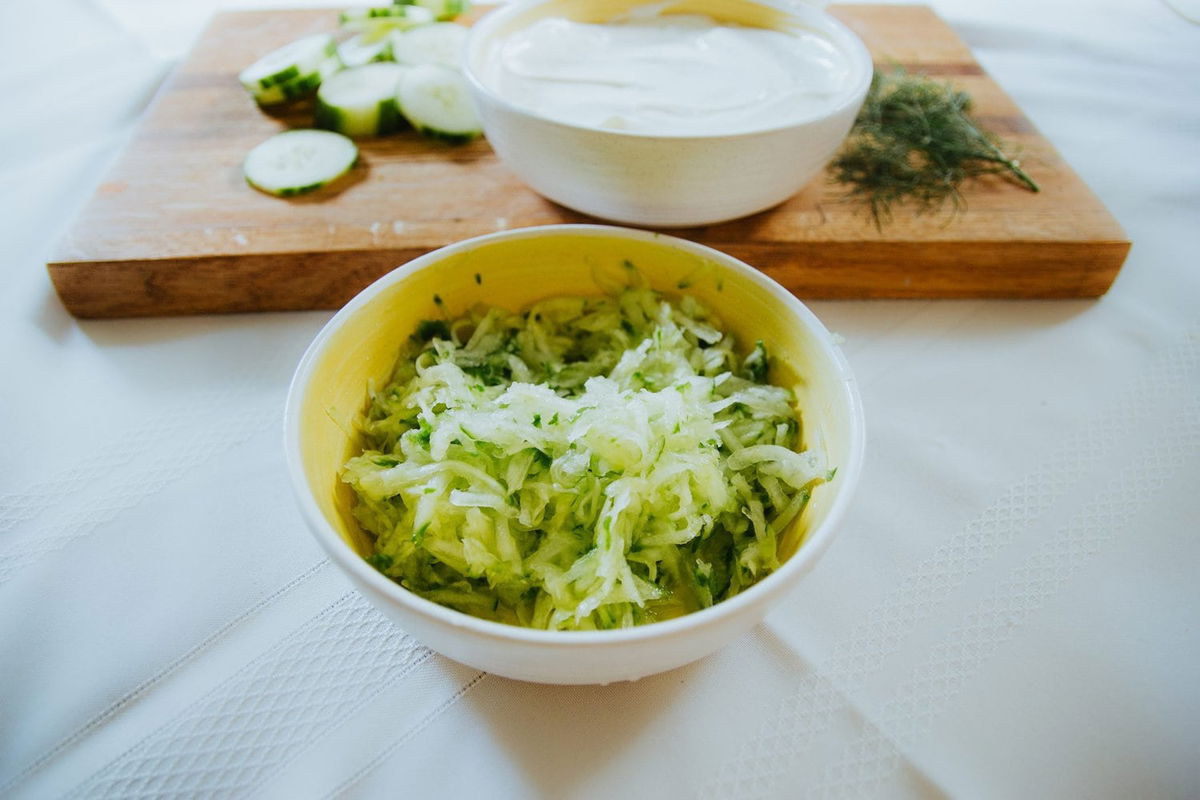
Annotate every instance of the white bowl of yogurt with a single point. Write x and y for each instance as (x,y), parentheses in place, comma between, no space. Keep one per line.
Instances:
(666,114)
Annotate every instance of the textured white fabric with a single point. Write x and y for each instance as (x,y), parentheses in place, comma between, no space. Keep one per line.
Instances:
(1011,609)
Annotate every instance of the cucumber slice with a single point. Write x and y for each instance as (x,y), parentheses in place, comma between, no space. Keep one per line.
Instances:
(298,161)
(439,43)
(437,101)
(361,101)
(442,9)
(288,63)
(362,49)
(381,20)
(297,88)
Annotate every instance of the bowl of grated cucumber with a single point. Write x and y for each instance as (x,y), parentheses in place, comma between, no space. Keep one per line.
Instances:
(575,453)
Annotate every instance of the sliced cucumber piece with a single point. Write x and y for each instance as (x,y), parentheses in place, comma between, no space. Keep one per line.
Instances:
(442,9)
(381,20)
(297,88)
(298,161)
(361,101)
(437,101)
(288,63)
(362,49)
(439,43)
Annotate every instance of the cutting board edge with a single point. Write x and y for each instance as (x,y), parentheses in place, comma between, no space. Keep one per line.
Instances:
(200,285)
(817,270)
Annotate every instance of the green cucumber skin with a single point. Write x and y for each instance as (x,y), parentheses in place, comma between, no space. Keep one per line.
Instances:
(292,191)
(294,90)
(327,117)
(379,21)
(444,10)
(390,118)
(331,118)
(456,139)
(373,13)
(302,87)
(283,76)
(269,99)
(288,74)
(410,99)
(454,8)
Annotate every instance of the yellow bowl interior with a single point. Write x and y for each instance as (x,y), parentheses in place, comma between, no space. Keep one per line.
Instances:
(516,272)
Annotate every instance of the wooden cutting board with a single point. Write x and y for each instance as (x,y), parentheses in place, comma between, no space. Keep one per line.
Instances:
(175,230)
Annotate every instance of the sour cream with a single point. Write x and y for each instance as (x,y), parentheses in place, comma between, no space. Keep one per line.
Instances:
(668,75)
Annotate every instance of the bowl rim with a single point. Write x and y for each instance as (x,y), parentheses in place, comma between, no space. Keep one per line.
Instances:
(847,40)
(776,582)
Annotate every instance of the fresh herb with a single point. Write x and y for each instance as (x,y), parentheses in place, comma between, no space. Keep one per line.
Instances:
(424,433)
(428,329)
(491,373)
(915,141)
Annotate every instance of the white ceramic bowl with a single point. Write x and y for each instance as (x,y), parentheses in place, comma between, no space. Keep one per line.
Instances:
(664,181)
(518,268)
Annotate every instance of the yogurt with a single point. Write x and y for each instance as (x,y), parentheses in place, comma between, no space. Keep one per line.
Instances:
(674,74)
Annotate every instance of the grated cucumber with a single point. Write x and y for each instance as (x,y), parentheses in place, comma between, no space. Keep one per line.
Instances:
(590,463)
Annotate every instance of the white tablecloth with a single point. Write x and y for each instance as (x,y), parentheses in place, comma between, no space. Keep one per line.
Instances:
(1011,609)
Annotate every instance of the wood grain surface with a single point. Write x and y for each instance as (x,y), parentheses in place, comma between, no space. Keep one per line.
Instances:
(174,229)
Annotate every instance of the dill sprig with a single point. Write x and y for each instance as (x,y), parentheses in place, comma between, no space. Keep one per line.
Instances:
(915,141)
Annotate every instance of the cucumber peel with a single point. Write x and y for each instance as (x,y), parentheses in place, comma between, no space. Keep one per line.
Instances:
(286,64)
